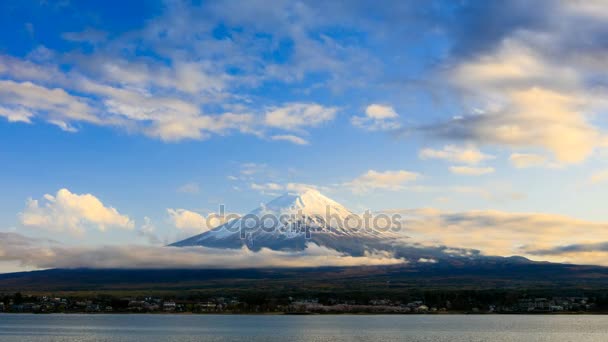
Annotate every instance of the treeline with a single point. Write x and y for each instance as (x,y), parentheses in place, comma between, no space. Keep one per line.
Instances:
(251,300)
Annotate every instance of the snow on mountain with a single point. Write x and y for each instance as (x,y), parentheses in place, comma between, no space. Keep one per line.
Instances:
(293,220)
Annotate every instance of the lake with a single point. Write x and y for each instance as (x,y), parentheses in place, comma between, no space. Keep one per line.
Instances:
(317,328)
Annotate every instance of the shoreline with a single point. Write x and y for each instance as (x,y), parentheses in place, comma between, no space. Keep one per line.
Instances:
(309,314)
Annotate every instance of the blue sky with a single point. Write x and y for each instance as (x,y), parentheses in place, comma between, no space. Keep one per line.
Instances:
(160,111)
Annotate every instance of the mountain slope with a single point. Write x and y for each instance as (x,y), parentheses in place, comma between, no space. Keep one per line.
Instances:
(482,274)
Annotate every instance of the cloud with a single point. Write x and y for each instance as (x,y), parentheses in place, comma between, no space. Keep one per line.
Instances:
(148,231)
(276,188)
(534,118)
(267,187)
(73,213)
(16,114)
(40,255)
(467,155)
(471,171)
(191,223)
(295,116)
(574,248)
(526,160)
(290,138)
(188,220)
(24,100)
(534,81)
(189,188)
(197,82)
(377,118)
(385,180)
(183,92)
(505,233)
(168,118)
(380,112)
(599,177)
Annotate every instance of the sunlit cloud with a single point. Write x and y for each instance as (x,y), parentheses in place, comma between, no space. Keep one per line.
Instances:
(377,118)
(493,232)
(73,213)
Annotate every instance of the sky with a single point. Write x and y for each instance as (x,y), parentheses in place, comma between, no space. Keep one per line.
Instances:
(128,123)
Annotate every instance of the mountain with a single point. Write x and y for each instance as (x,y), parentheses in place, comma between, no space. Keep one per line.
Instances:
(296,220)
(291,222)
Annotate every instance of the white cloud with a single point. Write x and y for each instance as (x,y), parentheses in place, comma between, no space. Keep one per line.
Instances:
(148,231)
(471,171)
(131,96)
(73,213)
(17,114)
(525,160)
(295,116)
(290,138)
(385,180)
(189,188)
(40,254)
(377,118)
(22,100)
(467,155)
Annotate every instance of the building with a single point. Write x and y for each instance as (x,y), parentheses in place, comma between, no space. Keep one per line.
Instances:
(169,306)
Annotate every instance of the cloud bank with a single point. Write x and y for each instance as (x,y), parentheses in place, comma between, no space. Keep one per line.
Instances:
(534,235)
(44,254)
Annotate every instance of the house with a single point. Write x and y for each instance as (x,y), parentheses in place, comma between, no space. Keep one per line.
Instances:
(169,306)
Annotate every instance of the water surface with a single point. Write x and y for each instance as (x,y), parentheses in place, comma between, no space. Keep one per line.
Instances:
(319,328)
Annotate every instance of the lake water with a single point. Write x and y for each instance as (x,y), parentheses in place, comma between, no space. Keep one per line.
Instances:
(128,328)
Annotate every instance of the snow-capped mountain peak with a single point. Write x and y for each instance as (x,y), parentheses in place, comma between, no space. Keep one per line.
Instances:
(291,221)
(309,202)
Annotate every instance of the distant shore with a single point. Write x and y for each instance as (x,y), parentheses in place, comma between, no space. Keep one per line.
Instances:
(456,313)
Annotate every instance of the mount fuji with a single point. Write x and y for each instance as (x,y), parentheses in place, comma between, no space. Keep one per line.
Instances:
(309,217)
(291,222)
